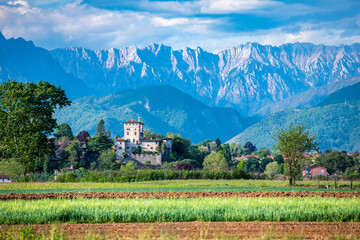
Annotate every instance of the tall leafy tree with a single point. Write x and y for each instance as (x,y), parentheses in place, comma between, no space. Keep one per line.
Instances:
(64,130)
(26,119)
(250,146)
(215,162)
(100,128)
(83,136)
(292,143)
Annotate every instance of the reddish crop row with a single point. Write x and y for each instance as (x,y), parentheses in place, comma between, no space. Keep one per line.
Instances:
(176,195)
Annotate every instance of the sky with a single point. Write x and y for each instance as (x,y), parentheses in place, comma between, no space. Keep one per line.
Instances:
(213,25)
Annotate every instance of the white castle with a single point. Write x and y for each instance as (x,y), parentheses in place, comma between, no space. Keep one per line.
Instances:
(133,138)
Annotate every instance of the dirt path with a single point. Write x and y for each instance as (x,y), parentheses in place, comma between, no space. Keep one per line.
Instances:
(203,230)
(176,195)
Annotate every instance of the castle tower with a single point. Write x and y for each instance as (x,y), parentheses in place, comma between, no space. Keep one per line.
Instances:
(133,130)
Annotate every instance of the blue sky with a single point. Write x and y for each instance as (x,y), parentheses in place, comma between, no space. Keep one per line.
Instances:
(213,25)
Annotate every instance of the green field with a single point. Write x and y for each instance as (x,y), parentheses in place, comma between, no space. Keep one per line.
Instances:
(178,210)
(176,185)
(180,189)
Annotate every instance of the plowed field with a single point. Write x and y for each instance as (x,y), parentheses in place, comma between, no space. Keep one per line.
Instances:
(176,195)
(204,230)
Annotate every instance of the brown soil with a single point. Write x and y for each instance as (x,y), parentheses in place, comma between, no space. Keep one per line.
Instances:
(176,195)
(203,230)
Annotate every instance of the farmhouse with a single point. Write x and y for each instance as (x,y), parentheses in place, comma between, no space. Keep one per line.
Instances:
(314,171)
(133,138)
(4,178)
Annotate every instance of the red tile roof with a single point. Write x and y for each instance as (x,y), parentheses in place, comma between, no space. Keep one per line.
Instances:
(121,139)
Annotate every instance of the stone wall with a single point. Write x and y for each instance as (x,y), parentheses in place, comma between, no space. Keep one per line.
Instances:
(156,159)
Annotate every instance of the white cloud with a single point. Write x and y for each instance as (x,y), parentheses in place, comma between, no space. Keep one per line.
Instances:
(162,22)
(233,6)
(76,24)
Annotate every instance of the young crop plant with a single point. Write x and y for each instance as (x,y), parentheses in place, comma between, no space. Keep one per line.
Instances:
(94,210)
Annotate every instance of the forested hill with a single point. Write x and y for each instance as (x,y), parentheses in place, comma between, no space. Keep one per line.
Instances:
(335,121)
(344,95)
(162,108)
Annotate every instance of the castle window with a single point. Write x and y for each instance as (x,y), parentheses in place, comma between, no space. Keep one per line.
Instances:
(133,140)
(151,148)
(120,148)
(128,133)
(135,132)
(127,147)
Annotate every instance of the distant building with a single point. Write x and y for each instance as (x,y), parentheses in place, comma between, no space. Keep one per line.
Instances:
(133,138)
(314,170)
(4,178)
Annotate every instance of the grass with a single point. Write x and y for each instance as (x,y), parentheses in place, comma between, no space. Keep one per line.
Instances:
(180,189)
(173,186)
(47,211)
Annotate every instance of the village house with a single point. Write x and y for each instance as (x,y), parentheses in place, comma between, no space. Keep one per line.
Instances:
(314,170)
(133,138)
(4,178)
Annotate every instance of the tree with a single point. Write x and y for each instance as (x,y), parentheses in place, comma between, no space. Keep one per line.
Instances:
(106,160)
(217,143)
(100,128)
(252,164)
(83,136)
(26,119)
(100,143)
(263,152)
(64,130)
(264,162)
(335,161)
(75,155)
(250,146)
(292,143)
(215,162)
(271,169)
(180,145)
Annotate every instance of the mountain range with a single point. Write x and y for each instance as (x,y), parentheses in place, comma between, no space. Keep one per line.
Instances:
(247,77)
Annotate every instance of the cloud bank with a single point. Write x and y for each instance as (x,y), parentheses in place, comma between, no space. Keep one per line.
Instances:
(211,24)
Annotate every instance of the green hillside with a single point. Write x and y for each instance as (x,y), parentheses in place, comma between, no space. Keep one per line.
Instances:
(162,108)
(336,122)
(344,95)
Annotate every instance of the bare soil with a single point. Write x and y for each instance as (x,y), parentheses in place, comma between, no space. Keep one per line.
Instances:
(30,196)
(203,230)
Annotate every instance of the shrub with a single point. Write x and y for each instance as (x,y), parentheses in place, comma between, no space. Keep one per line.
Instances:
(184,167)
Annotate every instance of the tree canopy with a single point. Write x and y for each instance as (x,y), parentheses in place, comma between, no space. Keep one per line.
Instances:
(64,130)
(292,143)
(26,119)
(215,162)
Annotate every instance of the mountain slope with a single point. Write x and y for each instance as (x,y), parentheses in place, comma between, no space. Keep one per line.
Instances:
(335,122)
(22,61)
(306,99)
(344,95)
(162,108)
(246,77)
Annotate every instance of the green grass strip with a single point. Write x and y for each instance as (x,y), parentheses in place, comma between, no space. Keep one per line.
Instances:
(172,184)
(81,210)
(181,189)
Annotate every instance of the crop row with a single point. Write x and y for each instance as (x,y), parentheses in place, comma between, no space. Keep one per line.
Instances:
(180,184)
(81,210)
